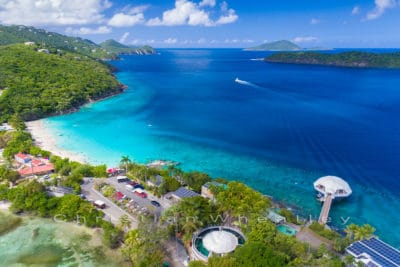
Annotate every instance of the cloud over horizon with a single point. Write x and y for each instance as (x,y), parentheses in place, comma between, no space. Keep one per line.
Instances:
(52,12)
(189,13)
(305,39)
(86,30)
(380,7)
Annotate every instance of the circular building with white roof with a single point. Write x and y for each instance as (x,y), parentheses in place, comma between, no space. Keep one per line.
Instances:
(216,240)
(334,186)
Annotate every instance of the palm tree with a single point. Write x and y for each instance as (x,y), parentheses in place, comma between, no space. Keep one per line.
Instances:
(124,222)
(365,231)
(125,160)
(351,230)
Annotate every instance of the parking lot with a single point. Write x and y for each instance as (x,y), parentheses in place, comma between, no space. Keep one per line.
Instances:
(142,202)
(112,211)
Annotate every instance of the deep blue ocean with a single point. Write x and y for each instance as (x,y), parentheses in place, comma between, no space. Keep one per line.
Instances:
(278,130)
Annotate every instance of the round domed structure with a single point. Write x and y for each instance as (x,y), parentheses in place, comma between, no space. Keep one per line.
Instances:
(333,186)
(220,242)
(215,240)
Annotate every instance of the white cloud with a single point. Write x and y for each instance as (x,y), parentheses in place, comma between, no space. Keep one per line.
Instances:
(210,3)
(52,12)
(126,20)
(189,13)
(142,41)
(314,21)
(355,10)
(123,37)
(134,10)
(86,30)
(229,18)
(305,39)
(380,7)
(171,41)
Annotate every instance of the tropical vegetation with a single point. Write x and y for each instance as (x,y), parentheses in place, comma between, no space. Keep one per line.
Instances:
(354,59)
(36,84)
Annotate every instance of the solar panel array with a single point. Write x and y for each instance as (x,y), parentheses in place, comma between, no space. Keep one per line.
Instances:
(183,192)
(378,250)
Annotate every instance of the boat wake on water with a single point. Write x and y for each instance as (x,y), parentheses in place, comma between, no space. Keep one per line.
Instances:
(273,92)
(248,83)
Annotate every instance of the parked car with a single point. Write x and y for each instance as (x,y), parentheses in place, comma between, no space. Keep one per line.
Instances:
(129,187)
(155,203)
(133,183)
(140,192)
(99,204)
(122,179)
(138,186)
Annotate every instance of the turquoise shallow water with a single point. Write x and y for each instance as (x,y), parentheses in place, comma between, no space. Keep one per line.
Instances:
(45,243)
(278,131)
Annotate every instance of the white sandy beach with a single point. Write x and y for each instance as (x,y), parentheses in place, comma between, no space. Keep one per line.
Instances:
(44,139)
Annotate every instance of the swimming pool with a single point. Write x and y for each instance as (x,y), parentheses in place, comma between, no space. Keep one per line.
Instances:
(286,230)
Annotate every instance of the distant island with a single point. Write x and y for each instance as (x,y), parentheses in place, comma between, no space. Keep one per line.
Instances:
(355,59)
(115,47)
(282,45)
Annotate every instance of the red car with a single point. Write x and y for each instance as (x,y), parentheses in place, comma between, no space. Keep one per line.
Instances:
(140,192)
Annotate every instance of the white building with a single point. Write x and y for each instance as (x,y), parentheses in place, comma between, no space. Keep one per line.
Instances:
(332,185)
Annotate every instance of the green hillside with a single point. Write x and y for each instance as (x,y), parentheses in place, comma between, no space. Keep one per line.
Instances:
(282,45)
(115,47)
(21,34)
(35,84)
(354,59)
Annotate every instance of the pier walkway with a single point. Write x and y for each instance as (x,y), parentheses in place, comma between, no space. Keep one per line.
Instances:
(323,217)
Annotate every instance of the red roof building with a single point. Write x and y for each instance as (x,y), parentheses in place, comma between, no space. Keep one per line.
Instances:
(45,168)
(22,158)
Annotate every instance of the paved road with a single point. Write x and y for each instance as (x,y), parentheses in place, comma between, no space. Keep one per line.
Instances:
(112,211)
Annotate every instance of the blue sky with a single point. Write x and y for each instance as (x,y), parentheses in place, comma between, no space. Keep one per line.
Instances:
(215,23)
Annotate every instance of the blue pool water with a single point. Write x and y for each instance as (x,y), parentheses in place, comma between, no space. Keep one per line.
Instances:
(278,130)
(287,230)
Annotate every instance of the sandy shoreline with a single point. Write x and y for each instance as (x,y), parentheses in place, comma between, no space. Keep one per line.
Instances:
(45,140)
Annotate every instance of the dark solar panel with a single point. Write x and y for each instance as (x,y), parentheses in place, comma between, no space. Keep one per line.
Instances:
(383,249)
(359,248)
(183,192)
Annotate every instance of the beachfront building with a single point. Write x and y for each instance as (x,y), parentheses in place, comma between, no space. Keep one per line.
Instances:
(22,158)
(330,188)
(215,240)
(45,168)
(29,165)
(206,189)
(375,253)
(182,193)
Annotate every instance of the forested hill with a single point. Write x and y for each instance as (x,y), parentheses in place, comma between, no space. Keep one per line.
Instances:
(109,49)
(115,47)
(282,45)
(36,84)
(21,34)
(346,59)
